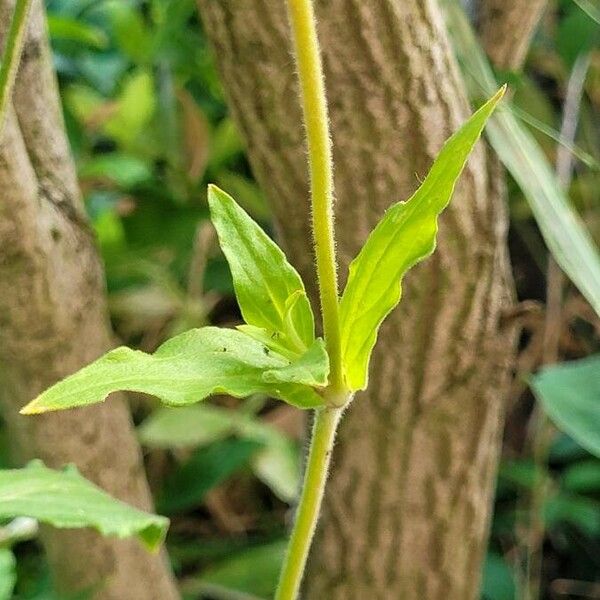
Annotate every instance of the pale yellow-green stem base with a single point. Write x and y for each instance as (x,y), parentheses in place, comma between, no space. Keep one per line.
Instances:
(315,477)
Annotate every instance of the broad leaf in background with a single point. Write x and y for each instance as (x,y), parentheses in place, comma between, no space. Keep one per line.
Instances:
(8,573)
(498,579)
(270,292)
(73,30)
(65,499)
(565,234)
(582,477)
(276,463)
(207,468)
(184,370)
(405,236)
(570,394)
(187,426)
(254,571)
(578,511)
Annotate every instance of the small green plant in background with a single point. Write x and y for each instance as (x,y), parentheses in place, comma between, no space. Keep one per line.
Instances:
(276,352)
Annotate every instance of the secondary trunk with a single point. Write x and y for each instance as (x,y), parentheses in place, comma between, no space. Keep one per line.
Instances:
(408,503)
(507,27)
(53,320)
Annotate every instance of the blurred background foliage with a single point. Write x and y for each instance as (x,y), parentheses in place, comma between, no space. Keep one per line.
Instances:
(149,129)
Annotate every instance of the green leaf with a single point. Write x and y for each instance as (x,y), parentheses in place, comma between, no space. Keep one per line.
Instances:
(8,574)
(311,369)
(197,425)
(254,571)
(134,109)
(582,477)
(74,30)
(184,370)
(590,9)
(125,170)
(498,579)
(270,292)
(133,37)
(207,468)
(405,236)
(563,230)
(276,463)
(65,499)
(271,339)
(570,394)
(579,511)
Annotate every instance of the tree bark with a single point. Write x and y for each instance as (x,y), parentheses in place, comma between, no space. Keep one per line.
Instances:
(507,27)
(408,503)
(53,320)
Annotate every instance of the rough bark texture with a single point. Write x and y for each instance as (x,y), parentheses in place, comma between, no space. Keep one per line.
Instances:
(408,503)
(507,27)
(53,320)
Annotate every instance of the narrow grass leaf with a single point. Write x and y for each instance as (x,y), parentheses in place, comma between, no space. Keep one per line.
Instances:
(563,230)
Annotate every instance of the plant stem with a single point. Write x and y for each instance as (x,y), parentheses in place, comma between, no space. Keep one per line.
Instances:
(12,54)
(315,477)
(320,162)
(314,106)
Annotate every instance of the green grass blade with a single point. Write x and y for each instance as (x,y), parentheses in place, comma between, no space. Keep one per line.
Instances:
(563,230)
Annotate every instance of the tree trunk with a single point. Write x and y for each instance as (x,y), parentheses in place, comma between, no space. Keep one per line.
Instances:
(408,503)
(53,320)
(506,29)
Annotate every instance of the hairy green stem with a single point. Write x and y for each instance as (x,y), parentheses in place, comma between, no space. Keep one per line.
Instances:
(12,55)
(315,477)
(314,106)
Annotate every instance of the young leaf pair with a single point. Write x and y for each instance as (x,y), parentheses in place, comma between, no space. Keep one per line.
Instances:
(276,352)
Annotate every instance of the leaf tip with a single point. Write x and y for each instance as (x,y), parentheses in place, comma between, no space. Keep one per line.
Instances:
(215,194)
(153,536)
(497,97)
(33,408)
